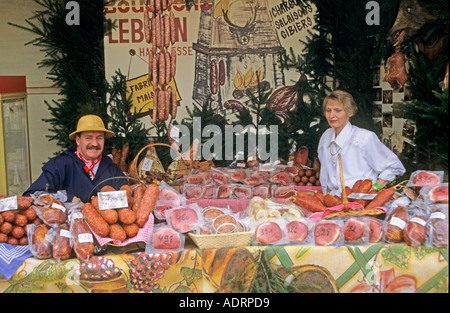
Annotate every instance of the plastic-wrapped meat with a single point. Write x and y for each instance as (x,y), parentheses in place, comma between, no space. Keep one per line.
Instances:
(193,192)
(224,192)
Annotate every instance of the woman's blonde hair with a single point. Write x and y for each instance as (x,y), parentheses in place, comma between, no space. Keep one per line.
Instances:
(342,97)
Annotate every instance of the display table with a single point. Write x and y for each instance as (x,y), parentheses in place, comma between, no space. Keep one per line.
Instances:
(380,268)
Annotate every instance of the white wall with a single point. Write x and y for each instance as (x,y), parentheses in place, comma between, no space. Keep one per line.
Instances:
(19,59)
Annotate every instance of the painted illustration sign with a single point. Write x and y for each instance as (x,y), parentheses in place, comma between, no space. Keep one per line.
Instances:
(218,49)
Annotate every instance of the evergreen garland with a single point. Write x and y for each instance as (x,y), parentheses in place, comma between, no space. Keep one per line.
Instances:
(75,58)
(123,122)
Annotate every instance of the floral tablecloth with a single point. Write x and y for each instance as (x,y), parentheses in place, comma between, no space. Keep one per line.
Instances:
(380,268)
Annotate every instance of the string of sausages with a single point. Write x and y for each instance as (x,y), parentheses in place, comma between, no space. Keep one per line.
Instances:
(159,27)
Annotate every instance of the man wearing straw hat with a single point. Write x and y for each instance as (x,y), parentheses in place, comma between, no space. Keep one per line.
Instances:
(79,170)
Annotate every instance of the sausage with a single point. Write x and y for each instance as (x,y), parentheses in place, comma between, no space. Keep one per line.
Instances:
(41,248)
(109,215)
(174,104)
(129,192)
(127,216)
(107,189)
(162,69)
(214,83)
(168,67)
(155,72)
(53,216)
(131,230)
(309,202)
(172,28)
(168,95)
(320,196)
(147,204)
(154,35)
(356,186)
(173,63)
(123,158)
(381,198)
(83,240)
(158,5)
(365,186)
(147,26)
(164,4)
(118,233)
(150,66)
(161,105)
(24,203)
(137,196)
(395,224)
(166,31)
(155,108)
(61,244)
(331,200)
(151,5)
(158,31)
(95,220)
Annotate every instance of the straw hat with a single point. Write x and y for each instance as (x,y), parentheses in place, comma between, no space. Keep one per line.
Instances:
(91,123)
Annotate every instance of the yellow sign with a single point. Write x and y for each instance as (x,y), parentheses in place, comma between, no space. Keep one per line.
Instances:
(141,91)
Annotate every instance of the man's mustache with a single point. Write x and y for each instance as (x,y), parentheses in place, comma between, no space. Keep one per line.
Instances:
(90,147)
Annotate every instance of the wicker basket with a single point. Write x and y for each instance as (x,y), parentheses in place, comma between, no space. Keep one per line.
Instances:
(217,241)
(134,172)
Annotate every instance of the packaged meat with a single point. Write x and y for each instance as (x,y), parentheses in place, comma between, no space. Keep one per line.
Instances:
(184,218)
(165,239)
(328,233)
(271,232)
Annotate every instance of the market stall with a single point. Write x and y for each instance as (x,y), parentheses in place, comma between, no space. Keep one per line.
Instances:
(192,241)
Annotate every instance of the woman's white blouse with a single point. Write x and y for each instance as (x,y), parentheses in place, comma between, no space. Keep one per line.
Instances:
(363,156)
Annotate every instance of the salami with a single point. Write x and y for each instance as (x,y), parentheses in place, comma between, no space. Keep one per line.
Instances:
(95,220)
(138,193)
(172,28)
(161,105)
(173,63)
(166,31)
(158,30)
(147,26)
(147,204)
(155,108)
(153,34)
(168,67)
(174,105)
(162,69)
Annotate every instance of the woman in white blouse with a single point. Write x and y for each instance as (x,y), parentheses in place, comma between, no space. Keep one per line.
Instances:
(363,155)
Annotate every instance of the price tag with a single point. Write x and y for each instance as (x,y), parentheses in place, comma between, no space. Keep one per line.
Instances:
(82,238)
(112,200)
(58,206)
(8,204)
(397,222)
(65,233)
(174,133)
(147,164)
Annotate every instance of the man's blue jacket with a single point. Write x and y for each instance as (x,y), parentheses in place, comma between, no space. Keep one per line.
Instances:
(65,172)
